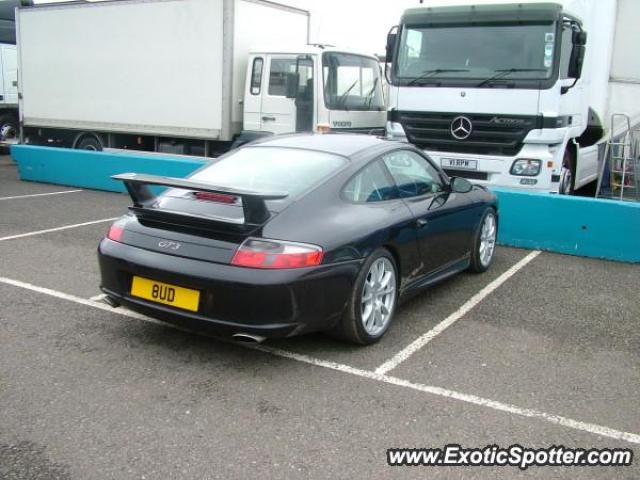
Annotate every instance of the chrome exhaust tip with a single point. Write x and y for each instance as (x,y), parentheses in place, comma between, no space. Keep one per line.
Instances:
(248,338)
(112,302)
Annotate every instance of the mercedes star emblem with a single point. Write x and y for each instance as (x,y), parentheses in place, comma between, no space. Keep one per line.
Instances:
(461,128)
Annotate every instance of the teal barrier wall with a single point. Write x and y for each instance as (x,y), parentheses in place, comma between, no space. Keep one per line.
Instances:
(581,226)
(87,169)
(572,225)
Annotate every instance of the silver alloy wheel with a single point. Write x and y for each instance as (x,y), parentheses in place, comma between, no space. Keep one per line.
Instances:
(487,239)
(378,296)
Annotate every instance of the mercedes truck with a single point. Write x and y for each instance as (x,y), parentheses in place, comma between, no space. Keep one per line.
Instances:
(192,77)
(515,94)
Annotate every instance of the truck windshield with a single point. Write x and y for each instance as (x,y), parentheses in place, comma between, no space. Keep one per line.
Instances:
(351,82)
(436,53)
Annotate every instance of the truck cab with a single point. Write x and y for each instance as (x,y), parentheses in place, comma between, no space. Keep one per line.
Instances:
(315,89)
(495,93)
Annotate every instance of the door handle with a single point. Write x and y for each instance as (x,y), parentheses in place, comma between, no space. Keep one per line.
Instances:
(267,119)
(421,222)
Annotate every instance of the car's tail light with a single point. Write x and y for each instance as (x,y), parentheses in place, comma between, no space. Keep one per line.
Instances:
(256,253)
(115,233)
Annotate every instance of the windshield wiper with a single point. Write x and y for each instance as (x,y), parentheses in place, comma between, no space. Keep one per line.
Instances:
(503,72)
(343,97)
(369,96)
(435,71)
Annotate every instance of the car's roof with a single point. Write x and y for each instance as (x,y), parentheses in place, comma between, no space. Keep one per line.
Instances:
(346,144)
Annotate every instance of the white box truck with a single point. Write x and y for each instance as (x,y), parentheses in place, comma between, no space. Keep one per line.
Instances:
(515,94)
(180,76)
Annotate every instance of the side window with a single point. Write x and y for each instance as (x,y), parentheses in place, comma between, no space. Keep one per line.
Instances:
(280,67)
(565,51)
(371,184)
(411,49)
(414,43)
(305,79)
(413,174)
(256,75)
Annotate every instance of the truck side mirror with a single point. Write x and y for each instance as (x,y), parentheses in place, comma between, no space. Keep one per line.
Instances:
(580,38)
(391,45)
(576,61)
(291,85)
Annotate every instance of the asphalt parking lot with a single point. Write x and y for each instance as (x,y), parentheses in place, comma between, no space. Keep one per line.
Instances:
(542,350)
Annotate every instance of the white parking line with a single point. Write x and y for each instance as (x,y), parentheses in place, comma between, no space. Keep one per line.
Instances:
(421,341)
(75,299)
(387,379)
(16,197)
(57,229)
(464,397)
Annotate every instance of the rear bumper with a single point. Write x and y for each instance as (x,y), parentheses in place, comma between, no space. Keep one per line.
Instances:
(271,303)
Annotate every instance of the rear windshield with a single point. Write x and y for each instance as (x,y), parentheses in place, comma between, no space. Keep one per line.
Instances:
(271,169)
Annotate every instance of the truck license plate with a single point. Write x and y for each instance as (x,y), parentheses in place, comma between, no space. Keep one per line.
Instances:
(459,163)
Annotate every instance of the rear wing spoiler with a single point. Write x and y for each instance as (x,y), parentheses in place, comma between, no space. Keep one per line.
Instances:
(253,203)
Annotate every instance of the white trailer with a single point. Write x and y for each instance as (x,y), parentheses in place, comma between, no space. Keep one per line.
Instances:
(514,98)
(171,75)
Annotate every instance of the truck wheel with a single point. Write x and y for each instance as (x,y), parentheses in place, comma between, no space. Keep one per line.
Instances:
(89,142)
(8,128)
(373,301)
(567,174)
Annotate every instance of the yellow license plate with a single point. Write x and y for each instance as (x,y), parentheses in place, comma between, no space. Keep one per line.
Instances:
(165,293)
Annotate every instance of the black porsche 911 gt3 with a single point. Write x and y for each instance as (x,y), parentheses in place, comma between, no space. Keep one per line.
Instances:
(295,234)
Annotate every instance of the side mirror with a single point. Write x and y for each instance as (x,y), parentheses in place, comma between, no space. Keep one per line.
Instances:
(576,61)
(460,185)
(391,46)
(291,86)
(580,38)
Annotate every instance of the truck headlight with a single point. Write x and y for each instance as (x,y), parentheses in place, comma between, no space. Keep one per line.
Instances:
(395,131)
(526,167)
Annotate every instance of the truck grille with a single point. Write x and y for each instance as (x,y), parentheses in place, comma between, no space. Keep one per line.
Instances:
(378,131)
(490,134)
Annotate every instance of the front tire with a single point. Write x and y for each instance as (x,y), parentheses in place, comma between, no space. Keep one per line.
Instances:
(373,301)
(567,174)
(484,243)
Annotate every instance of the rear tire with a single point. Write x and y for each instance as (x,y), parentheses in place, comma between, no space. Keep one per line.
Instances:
(8,127)
(89,142)
(373,301)
(484,243)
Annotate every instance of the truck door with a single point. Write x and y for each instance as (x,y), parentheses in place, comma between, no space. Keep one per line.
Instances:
(304,95)
(278,111)
(8,75)
(253,96)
